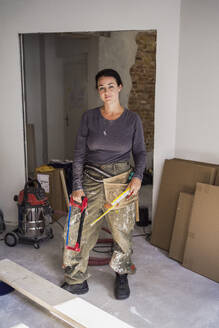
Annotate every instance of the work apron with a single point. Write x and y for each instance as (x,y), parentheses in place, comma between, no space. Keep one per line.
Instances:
(121,223)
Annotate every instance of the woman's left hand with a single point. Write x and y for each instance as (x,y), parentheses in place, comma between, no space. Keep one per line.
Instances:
(134,185)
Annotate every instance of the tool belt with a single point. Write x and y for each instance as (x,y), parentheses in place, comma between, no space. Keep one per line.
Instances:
(113,185)
(87,171)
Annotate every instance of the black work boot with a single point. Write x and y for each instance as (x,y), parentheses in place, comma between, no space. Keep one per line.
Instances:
(78,289)
(121,290)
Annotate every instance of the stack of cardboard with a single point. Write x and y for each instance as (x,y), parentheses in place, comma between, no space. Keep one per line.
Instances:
(186,221)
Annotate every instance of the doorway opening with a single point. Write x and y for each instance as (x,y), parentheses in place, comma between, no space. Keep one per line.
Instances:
(58,78)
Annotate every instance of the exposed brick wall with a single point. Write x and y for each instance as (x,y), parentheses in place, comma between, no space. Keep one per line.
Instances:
(141,98)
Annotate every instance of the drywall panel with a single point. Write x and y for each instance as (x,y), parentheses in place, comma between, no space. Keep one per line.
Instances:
(30,16)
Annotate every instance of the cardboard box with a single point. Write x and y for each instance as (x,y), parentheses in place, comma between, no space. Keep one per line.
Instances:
(178,176)
(202,245)
(51,182)
(181,226)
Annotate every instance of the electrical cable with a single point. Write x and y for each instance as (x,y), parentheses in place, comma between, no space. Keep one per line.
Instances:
(145,234)
(140,235)
(148,236)
(110,251)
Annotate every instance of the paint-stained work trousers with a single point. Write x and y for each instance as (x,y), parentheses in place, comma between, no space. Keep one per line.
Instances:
(120,221)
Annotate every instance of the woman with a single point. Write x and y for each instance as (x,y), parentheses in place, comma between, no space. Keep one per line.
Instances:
(106,138)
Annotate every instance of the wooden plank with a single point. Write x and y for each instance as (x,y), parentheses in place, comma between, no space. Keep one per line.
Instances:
(20,325)
(137,218)
(72,309)
(31,150)
(64,188)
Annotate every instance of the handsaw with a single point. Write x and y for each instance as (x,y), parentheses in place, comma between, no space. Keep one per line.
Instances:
(82,208)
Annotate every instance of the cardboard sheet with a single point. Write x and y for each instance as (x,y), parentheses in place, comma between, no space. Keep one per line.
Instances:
(181,226)
(202,246)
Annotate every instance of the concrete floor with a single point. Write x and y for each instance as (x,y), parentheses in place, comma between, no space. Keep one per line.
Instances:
(163,293)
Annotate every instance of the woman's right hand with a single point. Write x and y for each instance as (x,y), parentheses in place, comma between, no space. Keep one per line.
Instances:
(77,194)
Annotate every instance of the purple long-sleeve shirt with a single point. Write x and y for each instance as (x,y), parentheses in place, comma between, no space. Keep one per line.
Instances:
(102,141)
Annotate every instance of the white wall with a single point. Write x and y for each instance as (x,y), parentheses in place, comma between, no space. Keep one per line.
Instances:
(197,135)
(30,16)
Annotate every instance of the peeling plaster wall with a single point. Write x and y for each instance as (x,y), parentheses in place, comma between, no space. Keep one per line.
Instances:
(118,52)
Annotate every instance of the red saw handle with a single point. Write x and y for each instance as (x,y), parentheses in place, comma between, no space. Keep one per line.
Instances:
(82,207)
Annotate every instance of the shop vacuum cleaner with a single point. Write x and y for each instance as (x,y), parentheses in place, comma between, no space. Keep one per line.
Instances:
(34,216)
(2,222)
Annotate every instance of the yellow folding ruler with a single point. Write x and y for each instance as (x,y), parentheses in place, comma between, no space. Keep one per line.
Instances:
(113,204)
